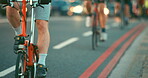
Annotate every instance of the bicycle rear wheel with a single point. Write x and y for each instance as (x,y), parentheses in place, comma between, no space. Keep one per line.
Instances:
(122,16)
(122,21)
(94,31)
(20,69)
(94,38)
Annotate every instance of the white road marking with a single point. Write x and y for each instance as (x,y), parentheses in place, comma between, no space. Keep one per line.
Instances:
(88,33)
(65,43)
(3,20)
(7,71)
(107,27)
(115,24)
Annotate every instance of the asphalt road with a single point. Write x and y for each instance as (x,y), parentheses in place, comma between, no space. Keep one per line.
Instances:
(70,53)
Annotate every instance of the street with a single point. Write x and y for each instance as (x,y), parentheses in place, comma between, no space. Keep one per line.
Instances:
(70,54)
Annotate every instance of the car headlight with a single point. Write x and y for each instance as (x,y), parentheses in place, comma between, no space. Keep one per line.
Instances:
(106,11)
(76,9)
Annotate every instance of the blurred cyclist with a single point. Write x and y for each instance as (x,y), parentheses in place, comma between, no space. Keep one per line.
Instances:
(102,16)
(41,17)
(140,5)
(126,10)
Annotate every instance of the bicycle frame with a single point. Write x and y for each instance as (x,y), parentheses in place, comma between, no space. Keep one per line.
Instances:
(29,47)
(24,34)
(95,16)
(30,53)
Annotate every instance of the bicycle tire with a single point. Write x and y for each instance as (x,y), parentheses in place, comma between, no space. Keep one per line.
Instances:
(94,31)
(122,16)
(122,21)
(94,38)
(93,41)
(20,68)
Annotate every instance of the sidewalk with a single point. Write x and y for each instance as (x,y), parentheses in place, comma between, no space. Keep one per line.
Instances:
(134,63)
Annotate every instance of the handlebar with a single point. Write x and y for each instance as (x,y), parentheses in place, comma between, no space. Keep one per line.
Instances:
(22,0)
(31,1)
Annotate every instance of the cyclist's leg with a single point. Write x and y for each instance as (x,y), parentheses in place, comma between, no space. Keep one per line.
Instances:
(42,17)
(127,14)
(14,17)
(88,5)
(102,21)
(117,7)
(102,16)
(127,11)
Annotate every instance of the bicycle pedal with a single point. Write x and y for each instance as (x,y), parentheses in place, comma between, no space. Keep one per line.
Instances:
(46,69)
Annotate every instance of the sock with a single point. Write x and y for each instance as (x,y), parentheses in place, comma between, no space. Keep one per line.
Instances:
(42,58)
(103,30)
(17,30)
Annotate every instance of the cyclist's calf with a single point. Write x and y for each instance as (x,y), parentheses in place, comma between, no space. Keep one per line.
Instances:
(13,15)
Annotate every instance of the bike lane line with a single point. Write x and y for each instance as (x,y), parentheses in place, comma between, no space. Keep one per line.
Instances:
(65,43)
(61,45)
(7,71)
(88,33)
(88,72)
(116,58)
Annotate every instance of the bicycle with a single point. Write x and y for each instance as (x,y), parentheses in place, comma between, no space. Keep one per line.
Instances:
(24,47)
(124,22)
(95,27)
(96,30)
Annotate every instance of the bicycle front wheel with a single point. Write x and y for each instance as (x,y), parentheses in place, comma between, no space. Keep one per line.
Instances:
(20,66)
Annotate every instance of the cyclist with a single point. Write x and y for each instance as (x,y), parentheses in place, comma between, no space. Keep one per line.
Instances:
(102,16)
(140,5)
(126,10)
(41,17)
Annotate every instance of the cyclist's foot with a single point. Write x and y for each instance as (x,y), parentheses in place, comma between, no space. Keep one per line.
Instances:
(126,21)
(103,36)
(88,21)
(41,71)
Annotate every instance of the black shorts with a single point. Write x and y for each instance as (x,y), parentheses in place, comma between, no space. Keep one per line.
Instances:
(98,1)
(126,1)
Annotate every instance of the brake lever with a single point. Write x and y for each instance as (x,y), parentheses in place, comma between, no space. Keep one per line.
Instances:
(10,4)
(40,5)
(3,6)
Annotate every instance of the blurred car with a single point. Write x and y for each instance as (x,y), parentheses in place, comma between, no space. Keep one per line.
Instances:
(59,7)
(76,8)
